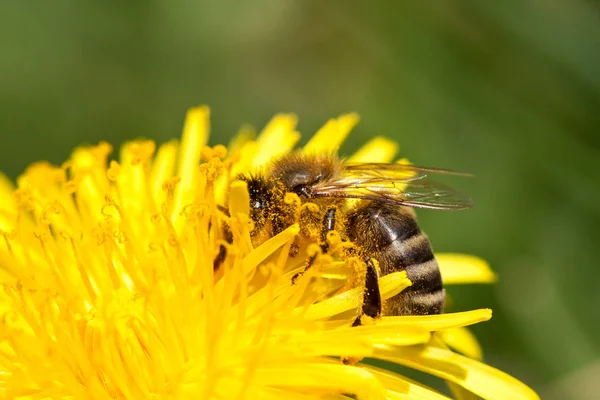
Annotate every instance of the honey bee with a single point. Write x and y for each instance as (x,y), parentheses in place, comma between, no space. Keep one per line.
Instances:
(370,205)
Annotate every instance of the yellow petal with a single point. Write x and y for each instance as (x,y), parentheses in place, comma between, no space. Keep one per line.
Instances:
(277,138)
(463,268)
(7,187)
(392,284)
(268,393)
(481,379)
(378,149)
(90,180)
(463,341)
(330,137)
(258,255)
(400,387)
(8,207)
(376,334)
(241,151)
(417,394)
(134,192)
(244,151)
(339,378)
(195,136)
(460,393)
(162,169)
(403,161)
(441,321)
(245,135)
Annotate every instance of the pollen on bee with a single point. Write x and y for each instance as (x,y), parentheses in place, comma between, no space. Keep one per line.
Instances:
(359,269)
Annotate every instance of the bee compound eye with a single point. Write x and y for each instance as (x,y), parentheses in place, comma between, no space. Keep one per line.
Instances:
(257,205)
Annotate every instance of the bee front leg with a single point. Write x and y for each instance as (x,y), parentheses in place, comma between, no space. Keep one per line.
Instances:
(372,297)
(371,301)
(328,226)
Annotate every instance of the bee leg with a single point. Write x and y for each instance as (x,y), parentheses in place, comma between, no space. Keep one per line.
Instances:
(309,264)
(220,258)
(371,297)
(371,301)
(294,248)
(328,226)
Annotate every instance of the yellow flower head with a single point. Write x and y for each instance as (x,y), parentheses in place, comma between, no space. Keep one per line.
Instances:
(108,289)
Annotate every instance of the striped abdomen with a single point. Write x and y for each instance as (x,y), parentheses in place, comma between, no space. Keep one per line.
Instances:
(391,235)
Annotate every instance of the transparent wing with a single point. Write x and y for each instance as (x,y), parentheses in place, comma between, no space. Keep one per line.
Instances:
(403,184)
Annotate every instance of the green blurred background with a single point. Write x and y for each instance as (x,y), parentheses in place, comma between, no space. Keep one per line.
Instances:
(509,91)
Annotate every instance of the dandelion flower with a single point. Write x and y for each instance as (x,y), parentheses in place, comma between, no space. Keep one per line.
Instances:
(108,289)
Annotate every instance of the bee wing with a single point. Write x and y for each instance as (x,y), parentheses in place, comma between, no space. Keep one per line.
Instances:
(403,184)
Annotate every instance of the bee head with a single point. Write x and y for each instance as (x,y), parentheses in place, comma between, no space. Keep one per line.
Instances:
(260,194)
(299,173)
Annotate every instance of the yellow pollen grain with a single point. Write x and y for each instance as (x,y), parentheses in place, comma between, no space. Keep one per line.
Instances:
(208,153)
(220,151)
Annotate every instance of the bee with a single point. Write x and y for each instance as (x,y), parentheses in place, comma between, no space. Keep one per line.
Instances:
(370,205)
